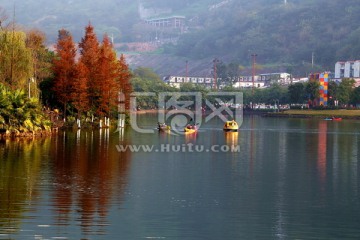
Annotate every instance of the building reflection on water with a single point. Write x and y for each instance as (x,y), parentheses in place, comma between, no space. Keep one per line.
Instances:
(322,148)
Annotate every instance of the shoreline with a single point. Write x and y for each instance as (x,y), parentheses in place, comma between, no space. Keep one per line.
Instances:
(154,111)
(25,135)
(341,113)
(307,113)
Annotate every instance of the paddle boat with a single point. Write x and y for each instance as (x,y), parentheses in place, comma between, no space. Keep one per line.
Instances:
(231,126)
(333,119)
(190,128)
(163,127)
(337,119)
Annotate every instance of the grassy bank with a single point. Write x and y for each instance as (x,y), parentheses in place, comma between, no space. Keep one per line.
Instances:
(343,113)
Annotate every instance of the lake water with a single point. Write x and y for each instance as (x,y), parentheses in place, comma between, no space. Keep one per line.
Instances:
(284,179)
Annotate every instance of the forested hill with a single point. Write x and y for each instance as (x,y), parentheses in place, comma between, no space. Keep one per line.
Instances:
(108,16)
(116,17)
(287,32)
(279,32)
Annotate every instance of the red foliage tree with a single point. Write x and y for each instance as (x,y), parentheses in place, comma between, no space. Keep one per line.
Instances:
(89,54)
(64,67)
(79,91)
(107,78)
(95,81)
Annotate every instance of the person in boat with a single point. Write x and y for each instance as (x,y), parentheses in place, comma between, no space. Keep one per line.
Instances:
(190,124)
(161,125)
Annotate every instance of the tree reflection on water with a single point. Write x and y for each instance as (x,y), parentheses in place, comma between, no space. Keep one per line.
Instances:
(20,167)
(81,171)
(88,174)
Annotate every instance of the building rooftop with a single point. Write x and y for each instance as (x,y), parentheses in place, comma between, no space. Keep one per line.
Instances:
(164,18)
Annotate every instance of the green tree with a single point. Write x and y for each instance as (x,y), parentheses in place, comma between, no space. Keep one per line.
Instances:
(332,92)
(233,70)
(312,90)
(355,97)
(345,90)
(276,94)
(15,59)
(41,58)
(296,93)
(146,80)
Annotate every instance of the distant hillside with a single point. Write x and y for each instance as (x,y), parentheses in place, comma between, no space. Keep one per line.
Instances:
(298,37)
(115,17)
(278,33)
(108,16)
(282,33)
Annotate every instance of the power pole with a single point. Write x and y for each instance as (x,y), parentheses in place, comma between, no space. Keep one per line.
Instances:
(112,39)
(187,73)
(253,71)
(312,60)
(215,75)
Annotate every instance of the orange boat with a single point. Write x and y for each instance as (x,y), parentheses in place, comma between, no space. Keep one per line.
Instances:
(191,128)
(231,126)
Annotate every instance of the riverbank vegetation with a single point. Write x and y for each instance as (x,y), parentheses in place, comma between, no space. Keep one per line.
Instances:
(85,81)
(21,115)
(310,113)
(24,62)
(297,95)
(88,83)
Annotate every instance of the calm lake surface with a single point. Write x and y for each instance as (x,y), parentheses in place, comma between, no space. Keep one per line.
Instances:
(286,179)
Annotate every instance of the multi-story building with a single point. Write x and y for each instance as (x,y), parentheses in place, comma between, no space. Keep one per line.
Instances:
(260,81)
(167,22)
(280,78)
(263,80)
(176,81)
(247,82)
(348,69)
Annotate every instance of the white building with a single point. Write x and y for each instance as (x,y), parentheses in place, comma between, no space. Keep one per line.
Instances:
(176,81)
(280,78)
(260,81)
(263,80)
(246,82)
(348,69)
